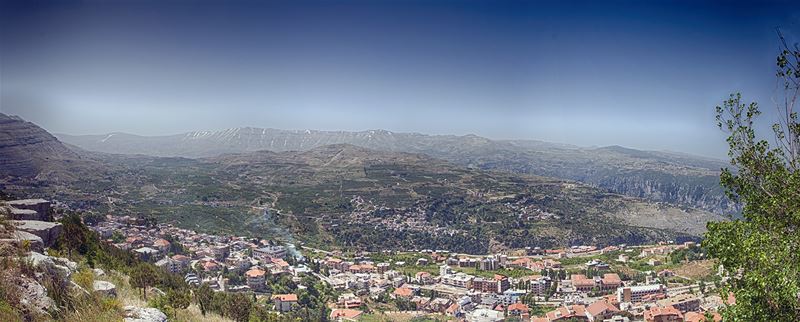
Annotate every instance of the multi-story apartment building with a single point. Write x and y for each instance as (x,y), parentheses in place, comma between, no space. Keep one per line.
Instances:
(636,294)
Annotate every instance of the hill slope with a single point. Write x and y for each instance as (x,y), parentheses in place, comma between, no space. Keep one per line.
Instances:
(658,176)
(355,197)
(28,152)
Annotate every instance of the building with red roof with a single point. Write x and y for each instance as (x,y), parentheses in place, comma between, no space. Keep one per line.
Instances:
(519,309)
(663,314)
(256,279)
(403,292)
(582,283)
(600,310)
(568,313)
(345,315)
(284,302)
(610,281)
(700,317)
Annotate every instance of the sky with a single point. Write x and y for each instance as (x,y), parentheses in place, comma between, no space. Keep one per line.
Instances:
(641,74)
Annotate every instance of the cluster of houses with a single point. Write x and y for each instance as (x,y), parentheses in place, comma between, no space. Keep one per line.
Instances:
(488,296)
(603,296)
(205,258)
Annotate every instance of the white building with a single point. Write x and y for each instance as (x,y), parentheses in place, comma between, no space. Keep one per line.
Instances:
(635,294)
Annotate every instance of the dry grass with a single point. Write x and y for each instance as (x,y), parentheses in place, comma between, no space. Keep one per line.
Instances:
(401,317)
(95,309)
(130,296)
(87,307)
(696,269)
(125,293)
(192,314)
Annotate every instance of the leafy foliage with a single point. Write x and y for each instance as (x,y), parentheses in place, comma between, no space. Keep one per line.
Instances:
(238,307)
(762,250)
(142,277)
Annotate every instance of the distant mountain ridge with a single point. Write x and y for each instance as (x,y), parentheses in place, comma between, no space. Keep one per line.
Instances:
(658,176)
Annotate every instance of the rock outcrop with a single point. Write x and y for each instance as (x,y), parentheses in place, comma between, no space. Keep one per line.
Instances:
(51,263)
(47,231)
(38,206)
(23,239)
(24,214)
(105,288)
(138,314)
(34,298)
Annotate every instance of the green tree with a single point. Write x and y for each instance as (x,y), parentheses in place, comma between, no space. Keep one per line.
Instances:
(761,250)
(204,295)
(238,307)
(178,299)
(75,235)
(260,314)
(143,276)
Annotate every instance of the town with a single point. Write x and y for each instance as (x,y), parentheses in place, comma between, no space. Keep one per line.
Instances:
(587,283)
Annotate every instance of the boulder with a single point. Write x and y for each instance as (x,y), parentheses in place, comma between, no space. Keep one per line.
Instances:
(22,238)
(24,214)
(105,288)
(138,314)
(40,206)
(71,266)
(39,260)
(99,272)
(44,262)
(47,231)
(34,298)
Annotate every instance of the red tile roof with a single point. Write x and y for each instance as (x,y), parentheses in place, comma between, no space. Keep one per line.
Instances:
(567,312)
(452,309)
(654,312)
(518,307)
(611,278)
(255,273)
(209,266)
(285,297)
(181,258)
(161,242)
(581,280)
(600,307)
(345,313)
(279,262)
(403,291)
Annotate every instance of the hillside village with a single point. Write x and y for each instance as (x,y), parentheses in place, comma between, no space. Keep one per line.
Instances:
(614,283)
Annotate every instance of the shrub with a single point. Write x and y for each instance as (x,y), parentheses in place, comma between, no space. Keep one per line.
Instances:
(84,278)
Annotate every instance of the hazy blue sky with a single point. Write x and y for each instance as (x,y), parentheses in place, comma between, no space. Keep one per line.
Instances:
(639,74)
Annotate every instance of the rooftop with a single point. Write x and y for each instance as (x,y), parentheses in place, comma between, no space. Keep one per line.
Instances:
(285,297)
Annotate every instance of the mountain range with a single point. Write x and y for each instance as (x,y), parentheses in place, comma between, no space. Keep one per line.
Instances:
(676,178)
(343,195)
